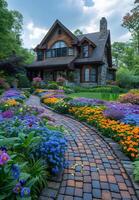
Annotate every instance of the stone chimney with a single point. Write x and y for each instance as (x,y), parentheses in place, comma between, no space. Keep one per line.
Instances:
(103,26)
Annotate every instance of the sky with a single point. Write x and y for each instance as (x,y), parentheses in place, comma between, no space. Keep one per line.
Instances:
(39,15)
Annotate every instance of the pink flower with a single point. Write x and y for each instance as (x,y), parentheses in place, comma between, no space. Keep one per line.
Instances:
(37,79)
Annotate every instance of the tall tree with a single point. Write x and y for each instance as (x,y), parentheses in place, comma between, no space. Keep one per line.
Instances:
(10,33)
(131,22)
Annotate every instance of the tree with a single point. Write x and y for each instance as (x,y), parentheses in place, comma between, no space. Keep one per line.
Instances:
(78,32)
(131,22)
(124,55)
(10,33)
(118,49)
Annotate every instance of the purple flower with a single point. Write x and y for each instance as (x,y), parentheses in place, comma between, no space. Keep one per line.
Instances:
(25,192)
(114,113)
(86,102)
(17,188)
(7,114)
(4,157)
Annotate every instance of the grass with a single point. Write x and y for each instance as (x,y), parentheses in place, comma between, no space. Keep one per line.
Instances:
(96,95)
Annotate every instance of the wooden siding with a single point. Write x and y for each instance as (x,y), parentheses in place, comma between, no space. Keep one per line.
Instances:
(56,37)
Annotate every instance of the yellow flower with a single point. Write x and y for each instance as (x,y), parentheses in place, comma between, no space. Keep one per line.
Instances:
(11,102)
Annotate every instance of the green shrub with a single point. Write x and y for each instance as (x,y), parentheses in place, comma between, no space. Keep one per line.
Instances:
(102,89)
(52,85)
(69,90)
(136,170)
(23,81)
(126,78)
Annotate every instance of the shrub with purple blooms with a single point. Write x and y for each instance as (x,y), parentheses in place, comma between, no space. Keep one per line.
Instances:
(30,152)
(114,113)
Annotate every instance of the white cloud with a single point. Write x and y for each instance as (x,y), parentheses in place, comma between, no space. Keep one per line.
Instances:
(32,35)
(88,18)
(35,32)
(113,10)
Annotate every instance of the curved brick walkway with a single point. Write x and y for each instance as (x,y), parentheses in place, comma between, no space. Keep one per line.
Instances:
(94,171)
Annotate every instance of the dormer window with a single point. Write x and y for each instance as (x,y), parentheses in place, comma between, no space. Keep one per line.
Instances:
(85,50)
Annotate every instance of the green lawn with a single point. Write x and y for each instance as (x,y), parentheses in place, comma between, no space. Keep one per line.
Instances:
(103,96)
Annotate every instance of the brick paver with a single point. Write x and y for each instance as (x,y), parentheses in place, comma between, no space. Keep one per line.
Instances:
(94,171)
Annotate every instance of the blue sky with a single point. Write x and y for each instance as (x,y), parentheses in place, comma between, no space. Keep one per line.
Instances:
(39,15)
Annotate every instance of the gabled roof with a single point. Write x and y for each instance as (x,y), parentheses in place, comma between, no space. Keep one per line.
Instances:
(57,22)
(98,51)
(88,40)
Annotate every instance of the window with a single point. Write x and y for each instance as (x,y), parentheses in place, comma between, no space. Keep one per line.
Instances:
(40,55)
(59,49)
(94,74)
(86,74)
(59,44)
(70,51)
(48,54)
(85,51)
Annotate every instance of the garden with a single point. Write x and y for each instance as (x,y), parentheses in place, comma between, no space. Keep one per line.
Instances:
(23,174)
(118,119)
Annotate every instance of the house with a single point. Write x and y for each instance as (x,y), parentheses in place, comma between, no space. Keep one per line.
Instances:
(84,59)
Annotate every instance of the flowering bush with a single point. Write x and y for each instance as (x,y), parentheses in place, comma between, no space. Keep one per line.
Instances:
(129,98)
(126,135)
(62,106)
(37,82)
(86,102)
(37,79)
(11,102)
(23,174)
(50,101)
(114,113)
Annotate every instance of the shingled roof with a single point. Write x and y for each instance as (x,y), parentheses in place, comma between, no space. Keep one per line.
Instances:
(98,51)
(97,39)
(56,61)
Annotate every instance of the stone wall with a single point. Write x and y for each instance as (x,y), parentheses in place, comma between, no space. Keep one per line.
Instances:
(102,72)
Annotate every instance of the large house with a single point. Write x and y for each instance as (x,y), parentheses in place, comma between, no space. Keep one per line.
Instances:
(83,59)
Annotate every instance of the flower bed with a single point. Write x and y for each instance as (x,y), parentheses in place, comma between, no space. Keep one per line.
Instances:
(117,120)
(126,135)
(29,150)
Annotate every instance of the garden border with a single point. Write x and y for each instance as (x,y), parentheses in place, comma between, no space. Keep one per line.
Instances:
(115,147)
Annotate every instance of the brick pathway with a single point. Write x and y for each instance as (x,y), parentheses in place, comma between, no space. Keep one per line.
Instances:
(94,171)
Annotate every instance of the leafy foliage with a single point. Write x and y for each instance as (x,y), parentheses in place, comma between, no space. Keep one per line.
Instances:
(136,170)
(10,33)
